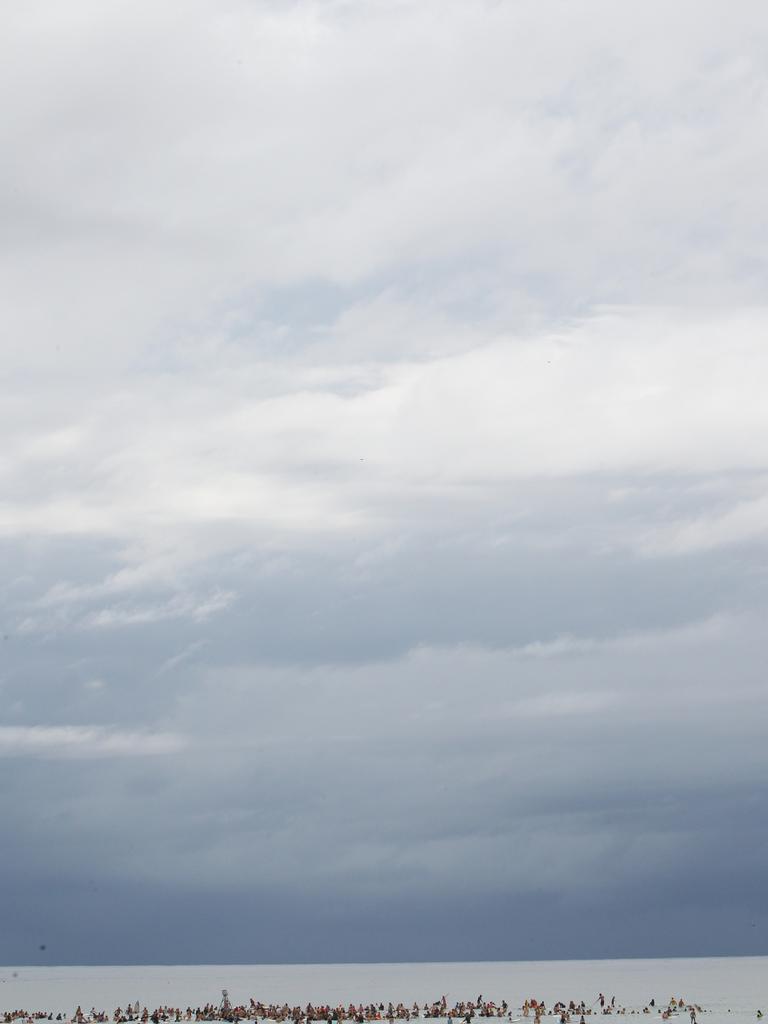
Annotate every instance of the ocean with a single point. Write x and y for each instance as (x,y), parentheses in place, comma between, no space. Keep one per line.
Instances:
(730,988)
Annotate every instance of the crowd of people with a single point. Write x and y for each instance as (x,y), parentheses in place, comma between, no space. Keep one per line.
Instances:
(571,1012)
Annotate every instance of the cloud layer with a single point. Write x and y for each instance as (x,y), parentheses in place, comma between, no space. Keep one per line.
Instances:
(385,446)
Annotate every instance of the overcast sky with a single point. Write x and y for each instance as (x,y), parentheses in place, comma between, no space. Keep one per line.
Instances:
(383,479)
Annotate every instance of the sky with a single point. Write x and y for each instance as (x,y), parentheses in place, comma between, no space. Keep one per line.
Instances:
(383,480)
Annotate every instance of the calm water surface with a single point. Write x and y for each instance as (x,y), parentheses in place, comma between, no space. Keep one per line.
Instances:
(723,984)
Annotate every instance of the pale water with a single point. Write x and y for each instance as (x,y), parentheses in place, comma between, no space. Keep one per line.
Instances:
(720,984)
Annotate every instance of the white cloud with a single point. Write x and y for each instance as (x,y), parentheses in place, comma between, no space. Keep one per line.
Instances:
(197,610)
(117,616)
(568,647)
(84,742)
(746,522)
(628,393)
(557,705)
(458,177)
(162,164)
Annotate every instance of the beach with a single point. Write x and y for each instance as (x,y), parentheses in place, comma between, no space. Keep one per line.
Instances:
(726,988)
